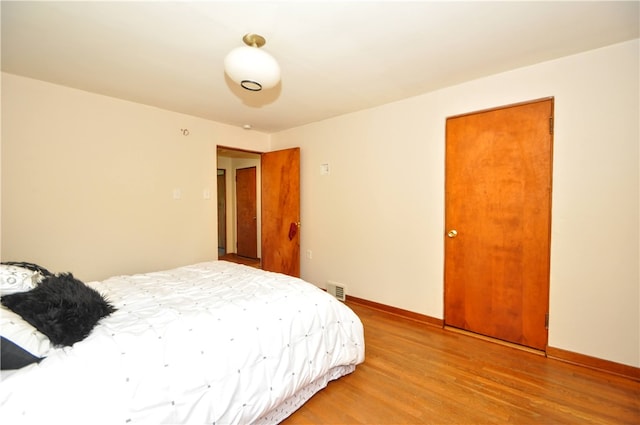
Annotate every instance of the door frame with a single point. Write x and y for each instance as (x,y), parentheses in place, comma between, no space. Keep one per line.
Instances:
(221,177)
(283,265)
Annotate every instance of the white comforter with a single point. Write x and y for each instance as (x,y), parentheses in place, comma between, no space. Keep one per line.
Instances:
(215,343)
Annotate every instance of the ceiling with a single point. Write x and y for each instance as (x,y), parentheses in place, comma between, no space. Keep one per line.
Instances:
(336,56)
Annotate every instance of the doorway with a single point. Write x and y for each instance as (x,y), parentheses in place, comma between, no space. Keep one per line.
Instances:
(278,203)
(498,169)
(231,160)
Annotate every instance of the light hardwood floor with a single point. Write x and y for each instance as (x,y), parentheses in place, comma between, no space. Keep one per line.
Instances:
(420,374)
(235,258)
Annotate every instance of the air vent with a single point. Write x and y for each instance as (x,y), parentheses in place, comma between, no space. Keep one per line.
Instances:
(337,290)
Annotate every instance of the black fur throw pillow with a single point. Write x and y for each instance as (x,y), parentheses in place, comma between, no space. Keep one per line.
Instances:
(61,307)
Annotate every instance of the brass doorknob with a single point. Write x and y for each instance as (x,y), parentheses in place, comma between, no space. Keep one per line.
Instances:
(452,233)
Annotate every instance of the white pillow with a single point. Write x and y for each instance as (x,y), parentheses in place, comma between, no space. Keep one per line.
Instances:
(17,279)
(20,332)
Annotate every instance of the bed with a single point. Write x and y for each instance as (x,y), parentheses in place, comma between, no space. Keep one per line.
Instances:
(214,342)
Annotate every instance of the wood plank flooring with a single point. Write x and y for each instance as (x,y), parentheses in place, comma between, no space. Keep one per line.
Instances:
(235,258)
(420,374)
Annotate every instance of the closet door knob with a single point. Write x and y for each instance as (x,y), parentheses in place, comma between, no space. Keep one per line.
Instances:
(452,233)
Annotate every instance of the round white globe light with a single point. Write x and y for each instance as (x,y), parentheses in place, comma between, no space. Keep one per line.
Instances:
(252,68)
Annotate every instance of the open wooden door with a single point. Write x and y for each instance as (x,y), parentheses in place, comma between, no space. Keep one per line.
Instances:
(498,218)
(281,211)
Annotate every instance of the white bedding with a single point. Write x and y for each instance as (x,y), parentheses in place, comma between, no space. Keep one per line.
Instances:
(215,343)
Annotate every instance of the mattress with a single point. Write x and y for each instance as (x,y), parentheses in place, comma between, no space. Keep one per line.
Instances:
(214,342)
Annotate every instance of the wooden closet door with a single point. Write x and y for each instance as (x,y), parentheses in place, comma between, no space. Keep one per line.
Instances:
(498,222)
(246,212)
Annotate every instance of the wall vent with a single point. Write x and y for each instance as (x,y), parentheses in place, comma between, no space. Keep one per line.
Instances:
(337,290)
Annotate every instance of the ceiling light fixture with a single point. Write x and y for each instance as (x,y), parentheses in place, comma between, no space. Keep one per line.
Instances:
(252,68)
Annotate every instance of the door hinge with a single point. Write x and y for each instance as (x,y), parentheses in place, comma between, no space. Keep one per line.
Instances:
(546,321)
(550,125)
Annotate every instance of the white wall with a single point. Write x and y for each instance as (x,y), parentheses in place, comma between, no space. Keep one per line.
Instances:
(88,181)
(376,222)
